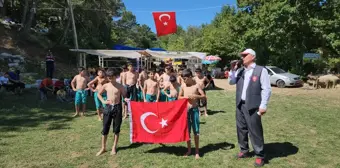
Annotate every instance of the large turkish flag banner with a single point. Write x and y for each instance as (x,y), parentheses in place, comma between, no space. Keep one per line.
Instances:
(159,122)
(165,23)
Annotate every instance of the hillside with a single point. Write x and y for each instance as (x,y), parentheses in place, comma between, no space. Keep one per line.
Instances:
(33,48)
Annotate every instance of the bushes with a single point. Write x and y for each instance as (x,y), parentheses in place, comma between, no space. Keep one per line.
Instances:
(3,65)
(334,64)
(321,66)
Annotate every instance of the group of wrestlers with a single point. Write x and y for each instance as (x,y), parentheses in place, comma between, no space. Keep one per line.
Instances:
(114,88)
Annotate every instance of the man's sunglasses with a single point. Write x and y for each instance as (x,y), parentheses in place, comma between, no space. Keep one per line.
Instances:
(242,56)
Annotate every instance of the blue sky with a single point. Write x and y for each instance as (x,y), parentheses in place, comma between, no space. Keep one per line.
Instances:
(188,12)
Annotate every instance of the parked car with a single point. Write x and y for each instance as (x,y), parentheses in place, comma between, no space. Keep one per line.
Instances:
(281,78)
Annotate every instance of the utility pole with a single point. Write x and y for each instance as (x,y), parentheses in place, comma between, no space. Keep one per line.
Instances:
(75,38)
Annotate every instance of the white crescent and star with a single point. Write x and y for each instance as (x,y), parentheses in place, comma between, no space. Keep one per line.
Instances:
(163,123)
(163,15)
(142,121)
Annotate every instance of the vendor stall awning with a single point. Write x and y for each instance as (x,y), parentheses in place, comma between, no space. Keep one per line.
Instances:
(111,53)
(140,53)
(175,55)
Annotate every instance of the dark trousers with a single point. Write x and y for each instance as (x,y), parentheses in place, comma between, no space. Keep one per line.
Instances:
(212,83)
(49,69)
(14,85)
(249,122)
(19,85)
(8,87)
(131,92)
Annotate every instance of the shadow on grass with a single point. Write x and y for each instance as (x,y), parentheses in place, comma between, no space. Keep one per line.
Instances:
(210,112)
(131,146)
(215,88)
(24,121)
(297,86)
(25,111)
(7,136)
(180,150)
(3,144)
(58,126)
(279,149)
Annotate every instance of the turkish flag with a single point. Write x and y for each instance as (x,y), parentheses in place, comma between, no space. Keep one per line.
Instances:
(159,122)
(165,23)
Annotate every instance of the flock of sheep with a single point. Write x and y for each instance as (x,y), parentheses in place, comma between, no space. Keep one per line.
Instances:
(325,81)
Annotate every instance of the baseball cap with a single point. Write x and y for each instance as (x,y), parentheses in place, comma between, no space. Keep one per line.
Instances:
(248,51)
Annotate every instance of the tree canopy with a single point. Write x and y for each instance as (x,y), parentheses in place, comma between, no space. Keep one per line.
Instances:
(280,31)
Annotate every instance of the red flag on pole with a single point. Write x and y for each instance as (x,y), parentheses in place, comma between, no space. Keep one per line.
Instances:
(165,23)
(160,122)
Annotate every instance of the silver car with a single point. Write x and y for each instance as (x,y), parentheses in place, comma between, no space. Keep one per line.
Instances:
(281,78)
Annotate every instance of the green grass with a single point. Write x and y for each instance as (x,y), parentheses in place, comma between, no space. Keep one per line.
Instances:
(299,132)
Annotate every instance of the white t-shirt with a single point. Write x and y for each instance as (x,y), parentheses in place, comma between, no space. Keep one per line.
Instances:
(3,80)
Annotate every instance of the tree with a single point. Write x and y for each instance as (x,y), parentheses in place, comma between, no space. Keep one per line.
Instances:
(127,31)
(28,24)
(279,31)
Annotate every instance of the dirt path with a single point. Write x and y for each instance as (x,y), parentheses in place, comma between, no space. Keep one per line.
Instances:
(326,93)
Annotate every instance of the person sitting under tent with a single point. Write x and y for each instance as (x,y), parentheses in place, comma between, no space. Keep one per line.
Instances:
(212,83)
(226,73)
(61,95)
(16,85)
(58,85)
(4,83)
(45,86)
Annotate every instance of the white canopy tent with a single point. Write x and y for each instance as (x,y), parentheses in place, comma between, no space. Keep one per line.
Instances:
(143,55)
(102,54)
(194,58)
(111,53)
(175,55)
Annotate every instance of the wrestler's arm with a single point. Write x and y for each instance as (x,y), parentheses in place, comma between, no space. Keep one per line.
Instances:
(208,82)
(158,92)
(100,92)
(144,90)
(73,82)
(91,83)
(181,94)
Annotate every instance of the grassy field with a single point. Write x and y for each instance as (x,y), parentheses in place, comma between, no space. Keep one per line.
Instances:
(299,132)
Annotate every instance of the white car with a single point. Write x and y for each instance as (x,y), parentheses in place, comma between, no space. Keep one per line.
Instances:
(281,78)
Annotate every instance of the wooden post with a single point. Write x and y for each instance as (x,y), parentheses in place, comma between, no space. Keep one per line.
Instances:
(75,38)
(99,61)
(84,59)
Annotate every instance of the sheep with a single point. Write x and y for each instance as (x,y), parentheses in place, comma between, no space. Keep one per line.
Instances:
(330,81)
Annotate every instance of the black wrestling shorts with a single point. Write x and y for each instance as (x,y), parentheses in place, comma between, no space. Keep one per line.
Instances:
(131,92)
(112,113)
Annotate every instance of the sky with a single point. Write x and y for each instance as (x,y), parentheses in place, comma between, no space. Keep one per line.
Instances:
(188,12)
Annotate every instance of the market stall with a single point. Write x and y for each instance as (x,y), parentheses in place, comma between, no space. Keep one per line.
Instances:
(144,57)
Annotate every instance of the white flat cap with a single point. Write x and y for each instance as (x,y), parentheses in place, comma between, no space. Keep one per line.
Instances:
(248,51)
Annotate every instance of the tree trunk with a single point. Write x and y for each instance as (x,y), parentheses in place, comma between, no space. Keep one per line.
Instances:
(28,25)
(66,28)
(24,14)
(3,9)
